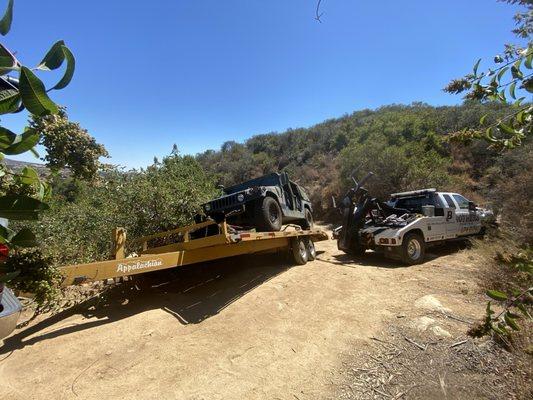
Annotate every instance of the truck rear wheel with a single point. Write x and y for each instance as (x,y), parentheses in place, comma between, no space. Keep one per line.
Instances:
(268,215)
(299,249)
(413,249)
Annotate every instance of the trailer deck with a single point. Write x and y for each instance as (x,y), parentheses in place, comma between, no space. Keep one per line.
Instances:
(186,249)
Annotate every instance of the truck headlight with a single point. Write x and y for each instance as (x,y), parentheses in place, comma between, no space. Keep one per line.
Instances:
(240,197)
(207,207)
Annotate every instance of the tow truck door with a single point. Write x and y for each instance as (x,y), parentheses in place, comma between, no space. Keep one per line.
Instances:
(450,209)
(467,220)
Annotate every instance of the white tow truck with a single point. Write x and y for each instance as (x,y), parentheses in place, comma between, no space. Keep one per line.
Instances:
(408,223)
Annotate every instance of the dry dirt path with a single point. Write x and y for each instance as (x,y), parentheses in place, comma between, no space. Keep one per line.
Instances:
(242,329)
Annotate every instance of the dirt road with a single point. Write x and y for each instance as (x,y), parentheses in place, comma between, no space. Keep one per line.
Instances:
(242,329)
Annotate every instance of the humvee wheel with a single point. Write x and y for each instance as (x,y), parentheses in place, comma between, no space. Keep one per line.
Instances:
(299,249)
(268,215)
(413,249)
(307,223)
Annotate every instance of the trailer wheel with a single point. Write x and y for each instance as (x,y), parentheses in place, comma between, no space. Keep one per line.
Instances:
(413,249)
(268,215)
(299,251)
(311,251)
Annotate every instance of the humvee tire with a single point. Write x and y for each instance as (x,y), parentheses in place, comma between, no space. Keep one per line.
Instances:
(268,215)
(307,223)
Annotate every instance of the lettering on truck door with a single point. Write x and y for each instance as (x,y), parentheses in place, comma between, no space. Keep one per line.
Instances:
(467,220)
(452,228)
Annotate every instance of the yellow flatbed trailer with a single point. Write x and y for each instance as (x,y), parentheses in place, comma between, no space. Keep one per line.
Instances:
(188,248)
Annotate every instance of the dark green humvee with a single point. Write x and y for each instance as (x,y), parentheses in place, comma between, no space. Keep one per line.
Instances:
(265,203)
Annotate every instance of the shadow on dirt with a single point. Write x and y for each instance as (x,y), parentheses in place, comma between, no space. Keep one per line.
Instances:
(376,260)
(190,294)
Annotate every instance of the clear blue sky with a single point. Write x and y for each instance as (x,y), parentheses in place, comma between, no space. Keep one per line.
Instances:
(200,72)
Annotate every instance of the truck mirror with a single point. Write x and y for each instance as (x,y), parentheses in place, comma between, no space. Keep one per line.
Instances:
(472,206)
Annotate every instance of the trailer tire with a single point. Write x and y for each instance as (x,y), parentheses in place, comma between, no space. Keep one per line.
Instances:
(299,251)
(413,249)
(311,251)
(268,215)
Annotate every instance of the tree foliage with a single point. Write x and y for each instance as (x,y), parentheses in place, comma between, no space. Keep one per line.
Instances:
(68,145)
(163,196)
(24,194)
(508,80)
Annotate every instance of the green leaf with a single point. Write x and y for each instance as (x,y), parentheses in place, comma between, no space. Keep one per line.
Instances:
(5,22)
(529,60)
(5,278)
(54,58)
(6,138)
(476,65)
(29,176)
(501,73)
(523,309)
(482,119)
(20,207)
(8,62)
(511,322)
(34,95)
(515,70)
(24,238)
(5,234)
(506,129)
(512,90)
(528,85)
(496,295)
(69,71)
(23,143)
(9,101)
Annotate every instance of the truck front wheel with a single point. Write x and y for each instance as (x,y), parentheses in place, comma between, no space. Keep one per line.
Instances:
(413,249)
(268,215)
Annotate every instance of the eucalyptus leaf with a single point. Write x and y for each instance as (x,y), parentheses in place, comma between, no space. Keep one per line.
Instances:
(496,295)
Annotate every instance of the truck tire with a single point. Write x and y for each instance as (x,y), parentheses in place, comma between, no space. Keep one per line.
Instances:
(299,251)
(311,251)
(356,249)
(307,223)
(268,215)
(413,249)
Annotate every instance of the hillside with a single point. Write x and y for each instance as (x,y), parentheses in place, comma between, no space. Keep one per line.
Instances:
(405,145)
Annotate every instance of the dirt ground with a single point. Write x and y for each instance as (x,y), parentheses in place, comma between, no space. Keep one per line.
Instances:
(252,328)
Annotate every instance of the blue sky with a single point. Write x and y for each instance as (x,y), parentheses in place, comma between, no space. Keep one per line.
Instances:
(200,72)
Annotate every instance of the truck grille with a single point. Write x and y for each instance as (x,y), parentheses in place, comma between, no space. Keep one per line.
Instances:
(224,202)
